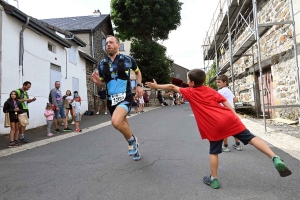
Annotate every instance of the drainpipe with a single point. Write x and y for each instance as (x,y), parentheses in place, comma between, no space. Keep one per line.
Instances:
(93,55)
(66,63)
(92,34)
(21,52)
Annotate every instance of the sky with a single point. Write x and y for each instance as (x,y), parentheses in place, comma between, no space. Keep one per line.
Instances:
(183,45)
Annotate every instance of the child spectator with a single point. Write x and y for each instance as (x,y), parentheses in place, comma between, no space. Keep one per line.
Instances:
(212,120)
(222,84)
(13,107)
(49,118)
(76,112)
(79,98)
(69,98)
(141,104)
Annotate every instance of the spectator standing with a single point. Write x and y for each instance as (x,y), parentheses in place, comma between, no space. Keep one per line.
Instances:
(135,103)
(69,98)
(58,105)
(102,94)
(146,98)
(171,99)
(79,98)
(141,104)
(13,107)
(24,99)
(48,113)
(160,98)
(222,84)
(76,106)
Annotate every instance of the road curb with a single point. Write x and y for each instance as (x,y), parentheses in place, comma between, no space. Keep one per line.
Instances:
(282,141)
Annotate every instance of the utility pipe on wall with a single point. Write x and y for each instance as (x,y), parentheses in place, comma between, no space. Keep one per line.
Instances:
(21,52)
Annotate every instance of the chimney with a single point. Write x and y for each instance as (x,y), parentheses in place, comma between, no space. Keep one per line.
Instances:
(97,13)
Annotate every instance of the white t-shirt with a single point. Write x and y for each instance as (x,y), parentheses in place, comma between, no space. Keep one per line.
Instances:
(77,106)
(225,92)
(69,98)
(141,100)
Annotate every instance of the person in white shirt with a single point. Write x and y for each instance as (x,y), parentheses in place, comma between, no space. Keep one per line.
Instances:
(222,84)
(76,110)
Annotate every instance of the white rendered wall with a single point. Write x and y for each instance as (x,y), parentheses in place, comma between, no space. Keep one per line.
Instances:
(37,60)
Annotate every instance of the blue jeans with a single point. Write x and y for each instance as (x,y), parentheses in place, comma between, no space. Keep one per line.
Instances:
(60,112)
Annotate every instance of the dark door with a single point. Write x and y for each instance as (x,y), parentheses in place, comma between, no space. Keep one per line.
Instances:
(268,93)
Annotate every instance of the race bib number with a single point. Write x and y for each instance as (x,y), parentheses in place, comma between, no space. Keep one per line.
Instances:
(117,98)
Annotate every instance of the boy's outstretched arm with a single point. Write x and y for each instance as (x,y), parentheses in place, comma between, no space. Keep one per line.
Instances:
(154,85)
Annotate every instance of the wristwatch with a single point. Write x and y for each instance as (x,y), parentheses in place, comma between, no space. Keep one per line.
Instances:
(139,85)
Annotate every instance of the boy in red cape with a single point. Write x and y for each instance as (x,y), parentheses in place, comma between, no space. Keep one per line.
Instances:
(212,120)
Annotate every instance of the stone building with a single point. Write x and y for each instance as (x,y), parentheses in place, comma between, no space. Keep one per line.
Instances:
(93,30)
(179,72)
(279,88)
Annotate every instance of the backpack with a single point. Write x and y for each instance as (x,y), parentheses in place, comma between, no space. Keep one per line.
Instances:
(89,112)
(50,98)
(21,93)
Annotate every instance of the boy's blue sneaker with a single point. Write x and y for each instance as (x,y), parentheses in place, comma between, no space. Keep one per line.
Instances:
(137,156)
(212,183)
(133,146)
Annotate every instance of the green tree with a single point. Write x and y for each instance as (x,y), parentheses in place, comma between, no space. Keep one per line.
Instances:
(152,61)
(145,19)
(145,22)
(210,75)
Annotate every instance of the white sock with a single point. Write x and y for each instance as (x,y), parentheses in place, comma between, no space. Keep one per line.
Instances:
(275,157)
(132,138)
(21,136)
(212,178)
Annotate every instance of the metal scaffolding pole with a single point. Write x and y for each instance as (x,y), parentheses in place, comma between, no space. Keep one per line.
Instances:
(230,53)
(216,52)
(295,52)
(254,2)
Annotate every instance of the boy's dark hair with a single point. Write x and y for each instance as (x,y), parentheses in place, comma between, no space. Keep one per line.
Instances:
(26,83)
(197,76)
(223,78)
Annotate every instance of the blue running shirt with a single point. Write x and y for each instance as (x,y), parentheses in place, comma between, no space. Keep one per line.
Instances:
(115,85)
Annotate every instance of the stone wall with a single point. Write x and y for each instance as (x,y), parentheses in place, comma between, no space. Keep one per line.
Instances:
(90,85)
(276,53)
(98,36)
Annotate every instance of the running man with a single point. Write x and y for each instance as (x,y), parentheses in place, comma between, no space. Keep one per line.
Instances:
(114,71)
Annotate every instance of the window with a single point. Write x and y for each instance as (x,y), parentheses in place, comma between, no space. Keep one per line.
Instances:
(72,55)
(55,75)
(103,44)
(51,47)
(121,47)
(75,84)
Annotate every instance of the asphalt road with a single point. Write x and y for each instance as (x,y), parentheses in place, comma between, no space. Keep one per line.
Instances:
(95,165)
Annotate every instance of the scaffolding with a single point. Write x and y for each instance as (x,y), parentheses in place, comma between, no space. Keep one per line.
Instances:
(235,20)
